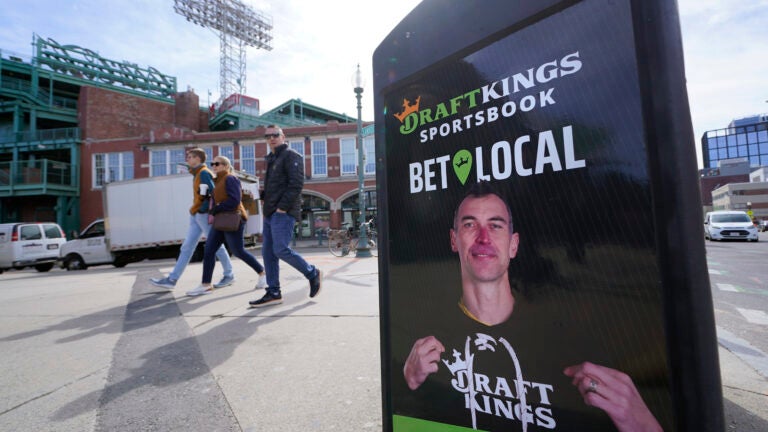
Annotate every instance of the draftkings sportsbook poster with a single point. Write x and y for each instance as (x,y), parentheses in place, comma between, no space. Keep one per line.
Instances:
(548,116)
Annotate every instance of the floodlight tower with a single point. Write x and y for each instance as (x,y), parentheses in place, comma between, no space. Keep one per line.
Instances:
(238,25)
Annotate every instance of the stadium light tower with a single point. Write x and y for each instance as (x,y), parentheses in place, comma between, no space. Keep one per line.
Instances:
(238,25)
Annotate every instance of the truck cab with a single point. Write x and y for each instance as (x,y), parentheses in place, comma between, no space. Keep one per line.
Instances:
(89,248)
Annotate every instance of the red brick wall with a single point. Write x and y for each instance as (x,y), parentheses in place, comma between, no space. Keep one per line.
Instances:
(708,184)
(105,114)
(188,110)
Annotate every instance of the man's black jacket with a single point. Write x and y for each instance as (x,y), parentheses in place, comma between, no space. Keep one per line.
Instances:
(283,182)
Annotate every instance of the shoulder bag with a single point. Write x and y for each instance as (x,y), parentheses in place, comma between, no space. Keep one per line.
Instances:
(227,221)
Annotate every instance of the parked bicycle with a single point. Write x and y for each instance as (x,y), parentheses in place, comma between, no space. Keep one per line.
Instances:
(342,242)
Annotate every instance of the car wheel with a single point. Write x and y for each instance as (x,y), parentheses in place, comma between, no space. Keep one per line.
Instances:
(75,262)
(44,267)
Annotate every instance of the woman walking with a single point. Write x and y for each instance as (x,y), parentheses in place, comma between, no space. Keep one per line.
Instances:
(227,197)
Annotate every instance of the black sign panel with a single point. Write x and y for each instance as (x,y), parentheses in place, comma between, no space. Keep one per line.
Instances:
(530,277)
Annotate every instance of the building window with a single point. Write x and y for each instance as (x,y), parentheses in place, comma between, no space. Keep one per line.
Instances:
(762,136)
(111,167)
(319,158)
(167,162)
(248,158)
(209,155)
(229,153)
(298,146)
(369,144)
(348,159)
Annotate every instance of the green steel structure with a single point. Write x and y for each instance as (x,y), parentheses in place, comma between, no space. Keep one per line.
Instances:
(291,113)
(84,64)
(39,130)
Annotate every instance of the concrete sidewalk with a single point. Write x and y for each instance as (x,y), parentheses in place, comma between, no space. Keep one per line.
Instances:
(304,365)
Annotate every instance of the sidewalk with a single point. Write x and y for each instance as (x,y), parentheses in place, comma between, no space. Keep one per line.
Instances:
(304,365)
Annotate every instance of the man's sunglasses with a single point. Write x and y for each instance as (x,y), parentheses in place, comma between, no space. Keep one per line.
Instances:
(274,135)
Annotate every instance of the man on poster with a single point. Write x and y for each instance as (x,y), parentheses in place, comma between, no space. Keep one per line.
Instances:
(485,241)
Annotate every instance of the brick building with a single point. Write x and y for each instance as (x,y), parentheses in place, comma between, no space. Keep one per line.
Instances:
(70,123)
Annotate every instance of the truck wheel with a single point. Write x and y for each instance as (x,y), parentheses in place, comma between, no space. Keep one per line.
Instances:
(74,262)
(44,267)
(120,261)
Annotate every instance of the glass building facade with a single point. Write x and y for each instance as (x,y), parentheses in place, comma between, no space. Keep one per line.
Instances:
(747,141)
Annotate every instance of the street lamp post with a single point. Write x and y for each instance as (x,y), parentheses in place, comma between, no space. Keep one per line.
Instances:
(362,250)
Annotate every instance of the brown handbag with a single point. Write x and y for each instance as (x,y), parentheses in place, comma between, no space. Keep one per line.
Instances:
(227,221)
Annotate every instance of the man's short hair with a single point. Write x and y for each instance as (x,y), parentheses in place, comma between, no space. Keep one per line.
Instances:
(479,190)
(197,151)
(273,126)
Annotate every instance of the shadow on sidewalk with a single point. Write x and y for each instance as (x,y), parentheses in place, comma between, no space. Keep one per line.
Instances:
(150,359)
(741,420)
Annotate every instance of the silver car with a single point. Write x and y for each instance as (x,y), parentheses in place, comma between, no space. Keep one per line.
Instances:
(729,225)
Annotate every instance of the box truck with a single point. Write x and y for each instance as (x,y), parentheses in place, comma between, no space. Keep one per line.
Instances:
(148,219)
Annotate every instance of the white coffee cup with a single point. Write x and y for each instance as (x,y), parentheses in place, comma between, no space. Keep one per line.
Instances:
(203,189)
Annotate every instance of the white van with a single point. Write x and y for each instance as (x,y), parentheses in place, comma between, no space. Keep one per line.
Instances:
(30,244)
(729,224)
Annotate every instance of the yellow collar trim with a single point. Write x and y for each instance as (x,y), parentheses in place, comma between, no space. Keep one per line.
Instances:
(469,314)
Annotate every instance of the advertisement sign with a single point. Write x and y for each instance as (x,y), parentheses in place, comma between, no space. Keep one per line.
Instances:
(524,285)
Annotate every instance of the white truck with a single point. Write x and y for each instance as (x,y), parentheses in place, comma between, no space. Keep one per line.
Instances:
(147,219)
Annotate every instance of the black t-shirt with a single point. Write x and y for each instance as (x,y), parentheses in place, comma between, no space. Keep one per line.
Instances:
(498,358)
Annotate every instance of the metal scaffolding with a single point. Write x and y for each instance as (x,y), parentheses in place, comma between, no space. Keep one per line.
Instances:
(239,26)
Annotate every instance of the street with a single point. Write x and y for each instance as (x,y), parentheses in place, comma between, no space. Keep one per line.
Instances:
(738,273)
(103,350)
(739,282)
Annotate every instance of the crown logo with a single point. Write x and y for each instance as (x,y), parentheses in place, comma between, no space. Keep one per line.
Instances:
(408,108)
(456,366)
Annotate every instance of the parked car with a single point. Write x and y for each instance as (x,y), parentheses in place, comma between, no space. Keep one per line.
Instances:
(30,244)
(762,226)
(729,224)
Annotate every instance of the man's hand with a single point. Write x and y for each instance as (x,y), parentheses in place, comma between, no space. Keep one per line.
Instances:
(422,361)
(613,392)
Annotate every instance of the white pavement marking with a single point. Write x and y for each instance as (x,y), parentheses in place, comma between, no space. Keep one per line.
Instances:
(715,272)
(727,287)
(754,316)
(744,350)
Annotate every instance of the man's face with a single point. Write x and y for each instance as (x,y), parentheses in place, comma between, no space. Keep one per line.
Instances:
(274,137)
(193,160)
(483,239)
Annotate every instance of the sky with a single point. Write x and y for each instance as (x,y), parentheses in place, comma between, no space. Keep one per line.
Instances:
(317,46)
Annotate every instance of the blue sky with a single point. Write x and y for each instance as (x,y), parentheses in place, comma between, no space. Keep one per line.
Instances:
(317,45)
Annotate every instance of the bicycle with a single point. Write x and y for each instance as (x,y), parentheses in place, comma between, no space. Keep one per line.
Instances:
(372,239)
(341,242)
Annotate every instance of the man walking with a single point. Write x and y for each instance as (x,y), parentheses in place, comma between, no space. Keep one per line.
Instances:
(202,186)
(282,208)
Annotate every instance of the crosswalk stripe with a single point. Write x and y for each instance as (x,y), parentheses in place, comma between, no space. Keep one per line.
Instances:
(715,272)
(727,287)
(754,316)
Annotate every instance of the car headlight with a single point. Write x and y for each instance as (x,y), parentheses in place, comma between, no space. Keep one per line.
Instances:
(754,228)
(716,227)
